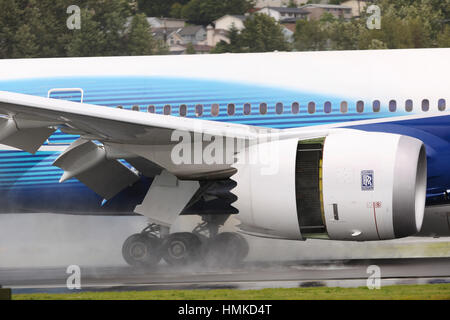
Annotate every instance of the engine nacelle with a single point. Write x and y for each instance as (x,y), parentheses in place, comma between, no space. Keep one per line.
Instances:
(351,185)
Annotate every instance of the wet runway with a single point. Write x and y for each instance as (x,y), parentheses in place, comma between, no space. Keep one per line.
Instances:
(251,275)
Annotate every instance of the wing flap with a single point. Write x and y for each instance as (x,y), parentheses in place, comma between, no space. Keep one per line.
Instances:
(29,139)
(88,162)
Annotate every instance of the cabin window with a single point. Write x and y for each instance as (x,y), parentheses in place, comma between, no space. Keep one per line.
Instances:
(279,108)
(183,110)
(360,106)
(247,108)
(327,107)
(295,108)
(408,105)
(231,109)
(344,107)
(425,105)
(392,105)
(198,110)
(311,107)
(135,108)
(376,106)
(167,109)
(263,108)
(441,105)
(215,109)
(151,109)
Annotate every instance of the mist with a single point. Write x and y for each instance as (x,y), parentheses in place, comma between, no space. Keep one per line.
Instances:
(44,240)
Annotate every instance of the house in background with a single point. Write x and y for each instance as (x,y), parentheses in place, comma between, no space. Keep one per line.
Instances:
(278,3)
(219,32)
(179,40)
(283,13)
(227,21)
(317,10)
(170,23)
(193,34)
(358,6)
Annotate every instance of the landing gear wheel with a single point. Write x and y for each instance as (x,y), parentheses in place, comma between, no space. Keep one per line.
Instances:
(142,250)
(182,248)
(227,249)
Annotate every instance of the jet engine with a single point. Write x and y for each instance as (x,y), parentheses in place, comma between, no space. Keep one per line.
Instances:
(349,185)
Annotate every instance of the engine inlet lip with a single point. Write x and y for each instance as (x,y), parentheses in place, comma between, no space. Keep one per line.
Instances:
(409,192)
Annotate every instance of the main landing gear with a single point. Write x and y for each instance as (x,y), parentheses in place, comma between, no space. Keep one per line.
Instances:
(203,245)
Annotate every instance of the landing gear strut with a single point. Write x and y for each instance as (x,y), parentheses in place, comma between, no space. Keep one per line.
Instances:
(203,245)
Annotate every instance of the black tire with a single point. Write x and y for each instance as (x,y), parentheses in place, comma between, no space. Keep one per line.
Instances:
(227,249)
(182,248)
(142,250)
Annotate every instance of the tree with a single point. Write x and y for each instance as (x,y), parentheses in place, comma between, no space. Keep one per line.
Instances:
(206,11)
(262,33)
(310,35)
(111,16)
(90,40)
(235,44)
(176,10)
(443,39)
(344,35)
(190,49)
(139,37)
(158,8)
(25,43)
(292,4)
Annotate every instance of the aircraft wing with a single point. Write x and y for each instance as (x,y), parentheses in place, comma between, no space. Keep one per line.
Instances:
(27,121)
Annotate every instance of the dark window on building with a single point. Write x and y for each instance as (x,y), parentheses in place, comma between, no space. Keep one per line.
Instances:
(231,109)
(279,108)
(327,107)
(214,109)
(198,110)
(425,105)
(135,108)
(151,109)
(247,108)
(295,108)
(408,105)
(311,107)
(442,105)
(344,107)
(263,108)
(183,110)
(376,106)
(167,109)
(360,106)
(392,105)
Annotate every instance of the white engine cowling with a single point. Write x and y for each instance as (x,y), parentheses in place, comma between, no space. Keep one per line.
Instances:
(351,185)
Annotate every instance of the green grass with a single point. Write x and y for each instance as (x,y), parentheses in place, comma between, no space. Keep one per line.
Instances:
(397,292)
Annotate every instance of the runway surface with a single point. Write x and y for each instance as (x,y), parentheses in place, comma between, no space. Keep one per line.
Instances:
(251,275)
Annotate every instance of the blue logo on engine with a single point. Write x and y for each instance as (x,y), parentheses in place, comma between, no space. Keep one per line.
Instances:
(367,180)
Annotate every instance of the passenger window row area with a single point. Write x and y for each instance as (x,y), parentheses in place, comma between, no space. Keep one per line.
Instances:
(294,108)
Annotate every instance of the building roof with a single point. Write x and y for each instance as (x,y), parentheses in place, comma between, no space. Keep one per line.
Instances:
(325,6)
(162,33)
(190,30)
(288,10)
(237,16)
(291,19)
